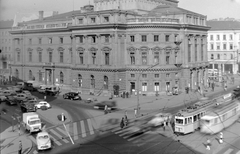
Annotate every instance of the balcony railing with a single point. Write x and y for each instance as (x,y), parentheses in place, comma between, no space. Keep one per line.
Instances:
(153,20)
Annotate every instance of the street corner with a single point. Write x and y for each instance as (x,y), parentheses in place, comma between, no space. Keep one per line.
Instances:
(51,115)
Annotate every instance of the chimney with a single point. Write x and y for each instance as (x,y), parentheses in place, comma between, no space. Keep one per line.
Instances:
(40,15)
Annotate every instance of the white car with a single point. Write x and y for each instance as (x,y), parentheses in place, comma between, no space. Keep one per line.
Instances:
(159,118)
(41,104)
(43,141)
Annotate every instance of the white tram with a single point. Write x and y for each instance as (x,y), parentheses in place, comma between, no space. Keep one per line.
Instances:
(220,117)
(187,120)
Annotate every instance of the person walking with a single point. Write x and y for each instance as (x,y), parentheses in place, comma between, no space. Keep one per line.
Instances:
(208,145)
(220,137)
(20,148)
(122,123)
(105,109)
(125,120)
(164,125)
(19,129)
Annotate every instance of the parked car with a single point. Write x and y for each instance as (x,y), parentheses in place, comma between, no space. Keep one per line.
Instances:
(27,93)
(11,99)
(28,106)
(72,96)
(43,141)
(42,105)
(111,105)
(21,97)
(8,92)
(42,89)
(52,90)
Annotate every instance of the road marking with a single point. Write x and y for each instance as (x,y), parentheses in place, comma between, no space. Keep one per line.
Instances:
(133,138)
(83,129)
(32,139)
(90,126)
(59,136)
(54,140)
(75,131)
(228,151)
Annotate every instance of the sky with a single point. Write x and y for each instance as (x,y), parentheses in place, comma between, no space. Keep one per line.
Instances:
(211,8)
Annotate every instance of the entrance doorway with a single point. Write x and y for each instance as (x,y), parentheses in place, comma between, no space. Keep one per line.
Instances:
(167,86)
(132,87)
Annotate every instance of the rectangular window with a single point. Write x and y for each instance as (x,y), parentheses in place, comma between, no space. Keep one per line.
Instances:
(144,86)
(132,38)
(167,59)
(132,58)
(144,58)
(224,37)
(80,21)
(211,37)
(18,41)
(156,75)
(18,56)
(156,57)
(93,39)
(40,56)
(30,56)
(218,37)
(196,52)
(107,39)
(156,86)
(230,37)
(167,75)
(106,19)
(230,46)
(93,20)
(61,40)
(49,40)
(61,57)
(167,38)
(156,38)
(144,38)
(39,40)
(132,75)
(144,75)
(80,39)
(224,46)
(30,41)
(81,58)
(218,46)
(107,58)
(94,58)
(50,57)
(212,56)
(212,46)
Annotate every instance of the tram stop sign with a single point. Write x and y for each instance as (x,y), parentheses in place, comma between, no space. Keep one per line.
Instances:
(61,117)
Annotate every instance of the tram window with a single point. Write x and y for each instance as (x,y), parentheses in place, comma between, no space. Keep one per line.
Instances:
(179,121)
(194,118)
(207,121)
(186,121)
(216,120)
(198,117)
(190,119)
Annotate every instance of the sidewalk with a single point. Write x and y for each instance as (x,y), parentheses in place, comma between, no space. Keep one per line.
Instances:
(10,142)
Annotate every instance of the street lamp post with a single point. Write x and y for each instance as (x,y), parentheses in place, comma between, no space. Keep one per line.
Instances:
(138,80)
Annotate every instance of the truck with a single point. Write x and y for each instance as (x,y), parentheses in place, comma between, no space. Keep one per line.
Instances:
(32,122)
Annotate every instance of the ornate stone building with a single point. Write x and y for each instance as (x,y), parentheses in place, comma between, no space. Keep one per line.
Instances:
(150,45)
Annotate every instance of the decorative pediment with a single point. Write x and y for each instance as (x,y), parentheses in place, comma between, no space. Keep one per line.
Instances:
(80,49)
(106,49)
(39,49)
(29,49)
(168,49)
(49,49)
(131,49)
(60,49)
(156,49)
(17,49)
(144,48)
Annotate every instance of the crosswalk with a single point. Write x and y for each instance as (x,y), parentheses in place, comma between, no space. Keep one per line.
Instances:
(77,130)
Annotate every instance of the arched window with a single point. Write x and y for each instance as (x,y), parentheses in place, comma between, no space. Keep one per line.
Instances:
(17,73)
(132,58)
(92,82)
(79,80)
(61,77)
(30,77)
(105,83)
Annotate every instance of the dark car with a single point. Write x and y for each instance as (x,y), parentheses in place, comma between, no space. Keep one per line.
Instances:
(28,106)
(11,99)
(111,105)
(72,96)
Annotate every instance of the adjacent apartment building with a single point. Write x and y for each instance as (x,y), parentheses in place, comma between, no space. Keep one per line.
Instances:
(6,49)
(111,46)
(224,46)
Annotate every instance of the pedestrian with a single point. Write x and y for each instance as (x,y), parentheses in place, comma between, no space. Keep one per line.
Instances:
(164,125)
(135,113)
(208,145)
(122,123)
(126,120)
(105,109)
(20,147)
(220,137)
(45,97)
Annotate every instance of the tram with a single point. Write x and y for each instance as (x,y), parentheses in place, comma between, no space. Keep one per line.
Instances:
(220,117)
(187,120)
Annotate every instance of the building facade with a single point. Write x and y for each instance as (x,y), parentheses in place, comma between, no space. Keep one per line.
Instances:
(102,50)
(6,49)
(224,46)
